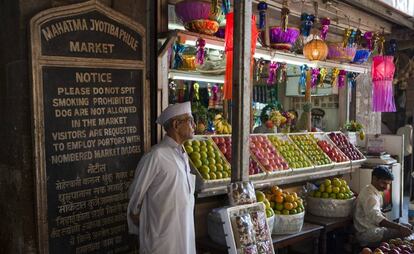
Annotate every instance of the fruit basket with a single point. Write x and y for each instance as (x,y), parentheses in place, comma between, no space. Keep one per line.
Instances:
(282,40)
(297,161)
(340,53)
(262,151)
(207,162)
(308,145)
(339,159)
(342,142)
(223,142)
(246,229)
(288,224)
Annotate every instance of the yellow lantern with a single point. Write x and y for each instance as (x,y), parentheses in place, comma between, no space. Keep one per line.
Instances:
(315,50)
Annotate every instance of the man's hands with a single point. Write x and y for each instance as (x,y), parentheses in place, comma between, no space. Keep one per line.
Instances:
(404,231)
(134,218)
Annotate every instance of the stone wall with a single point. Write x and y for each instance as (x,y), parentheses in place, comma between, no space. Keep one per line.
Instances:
(17,196)
(363,110)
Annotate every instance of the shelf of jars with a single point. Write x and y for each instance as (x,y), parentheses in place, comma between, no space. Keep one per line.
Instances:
(274,159)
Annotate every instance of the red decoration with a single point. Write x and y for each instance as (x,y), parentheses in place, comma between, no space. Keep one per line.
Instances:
(229,52)
(382,75)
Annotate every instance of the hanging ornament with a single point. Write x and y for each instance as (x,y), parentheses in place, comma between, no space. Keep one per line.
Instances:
(351,39)
(382,71)
(322,75)
(306,23)
(380,44)
(201,52)
(178,55)
(347,34)
(226,6)
(284,19)
(368,36)
(325,22)
(302,79)
(375,39)
(334,79)
(262,7)
(392,47)
(272,73)
(196,93)
(314,77)
(341,78)
(259,68)
(351,76)
(214,9)
(358,37)
(172,91)
(282,73)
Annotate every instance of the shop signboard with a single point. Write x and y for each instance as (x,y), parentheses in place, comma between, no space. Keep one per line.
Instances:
(89,106)
(406,6)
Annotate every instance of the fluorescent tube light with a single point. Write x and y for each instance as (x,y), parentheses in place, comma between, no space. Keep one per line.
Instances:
(196,77)
(208,45)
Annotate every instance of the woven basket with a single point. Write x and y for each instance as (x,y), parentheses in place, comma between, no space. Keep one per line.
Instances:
(327,207)
(203,26)
(339,53)
(288,224)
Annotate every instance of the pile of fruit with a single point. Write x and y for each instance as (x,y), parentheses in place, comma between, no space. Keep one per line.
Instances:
(282,202)
(207,159)
(334,153)
(394,246)
(221,125)
(334,189)
(290,152)
(261,197)
(308,144)
(224,144)
(266,154)
(347,148)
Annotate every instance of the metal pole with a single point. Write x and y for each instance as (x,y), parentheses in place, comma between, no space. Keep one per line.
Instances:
(241,90)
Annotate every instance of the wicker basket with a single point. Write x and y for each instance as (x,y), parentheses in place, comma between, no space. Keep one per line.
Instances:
(203,26)
(340,53)
(327,207)
(288,224)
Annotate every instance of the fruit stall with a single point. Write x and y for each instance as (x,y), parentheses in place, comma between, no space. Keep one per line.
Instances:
(296,95)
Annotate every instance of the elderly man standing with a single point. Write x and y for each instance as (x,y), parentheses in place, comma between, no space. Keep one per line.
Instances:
(370,224)
(161,202)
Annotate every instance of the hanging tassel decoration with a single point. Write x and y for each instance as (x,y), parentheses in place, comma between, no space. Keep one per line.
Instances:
(306,23)
(178,55)
(341,78)
(314,77)
(226,6)
(352,78)
(351,40)
(368,36)
(322,75)
(358,37)
(392,47)
(380,44)
(201,52)
(284,19)
(347,34)
(172,91)
(272,73)
(262,7)
(214,9)
(282,72)
(259,68)
(302,79)
(196,89)
(325,22)
(334,79)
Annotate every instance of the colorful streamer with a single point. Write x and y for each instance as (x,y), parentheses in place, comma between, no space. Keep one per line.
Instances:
(272,73)
(352,78)
(341,78)
(358,37)
(178,55)
(322,75)
(307,23)
(334,79)
(201,52)
(368,36)
(314,77)
(302,79)
(196,88)
(347,34)
(392,47)
(351,39)
(325,22)
(262,7)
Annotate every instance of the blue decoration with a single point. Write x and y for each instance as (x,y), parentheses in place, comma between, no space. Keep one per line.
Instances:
(352,38)
(307,23)
(262,7)
(352,78)
(178,55)
(226,6)
(392,47)
(302,80)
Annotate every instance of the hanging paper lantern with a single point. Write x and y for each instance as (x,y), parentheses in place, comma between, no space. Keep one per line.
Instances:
(272,73)
(201,53)
(262,7)
(228,41)
(325,22)
(315,50)
(382,71)
(341,78)
(306,23)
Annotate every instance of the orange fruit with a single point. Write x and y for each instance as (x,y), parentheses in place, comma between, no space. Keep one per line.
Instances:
(289,198)
(295,196)
(274,189)
(278,192)
(288,205)
(279,199)
(295,204)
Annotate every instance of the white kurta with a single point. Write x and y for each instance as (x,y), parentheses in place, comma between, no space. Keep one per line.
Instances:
(163,188)
(368,215)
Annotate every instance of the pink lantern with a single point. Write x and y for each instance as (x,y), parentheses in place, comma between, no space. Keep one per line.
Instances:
(382,75)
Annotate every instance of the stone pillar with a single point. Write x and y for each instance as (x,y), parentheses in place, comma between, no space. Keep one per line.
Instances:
(17,192)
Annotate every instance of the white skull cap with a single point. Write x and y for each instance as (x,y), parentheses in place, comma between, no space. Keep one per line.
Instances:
(174,110)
